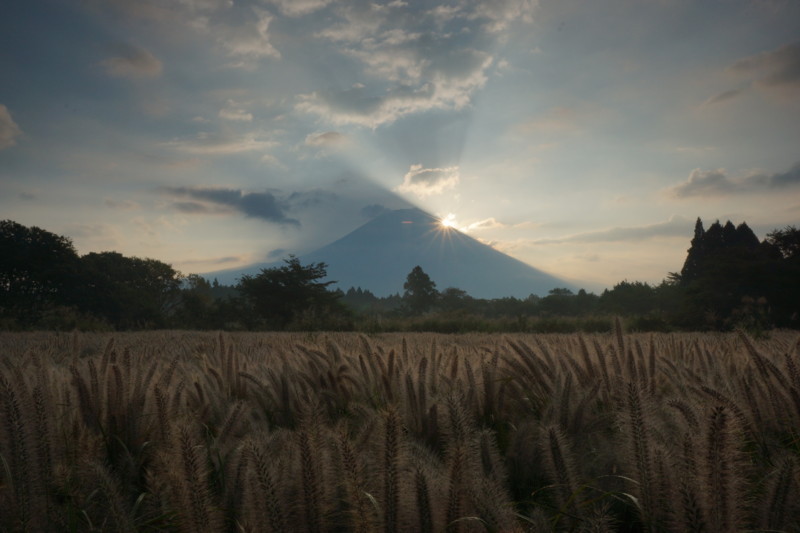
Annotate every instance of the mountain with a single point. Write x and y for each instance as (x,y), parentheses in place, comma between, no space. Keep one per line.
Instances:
(379,255)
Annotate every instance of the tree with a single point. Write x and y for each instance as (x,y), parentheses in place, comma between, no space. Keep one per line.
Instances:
(786,241)
(784,297)
(420,292)
(283,295)
(37,269)
(196,303)
(453,299)
(629,298)
(128,291)
(559,301)
(725,266)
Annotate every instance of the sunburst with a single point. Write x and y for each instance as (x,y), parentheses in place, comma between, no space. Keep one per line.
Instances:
(448,222)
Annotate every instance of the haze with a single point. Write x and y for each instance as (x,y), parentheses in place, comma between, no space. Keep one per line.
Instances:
(583,138)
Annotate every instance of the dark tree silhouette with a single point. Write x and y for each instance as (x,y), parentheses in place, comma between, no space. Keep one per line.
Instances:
(725,268)
(37,269)
(420,292)
(128,291)
(282,295)
(786,241)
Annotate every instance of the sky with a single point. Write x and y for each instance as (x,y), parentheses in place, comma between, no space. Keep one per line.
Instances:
(582,137)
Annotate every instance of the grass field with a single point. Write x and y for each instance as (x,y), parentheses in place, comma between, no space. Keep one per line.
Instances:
(183,431)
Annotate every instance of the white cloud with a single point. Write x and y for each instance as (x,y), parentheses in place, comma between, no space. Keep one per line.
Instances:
(9,130)
(248,43)
(487,223)
(326,139)
(271,160)
(410,63)
(132,62)
(500,14)
(359,106)
(298,8)
(428,181)
(235,111)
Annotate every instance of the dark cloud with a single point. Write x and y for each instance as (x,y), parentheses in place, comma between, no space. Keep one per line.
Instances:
(790,177)
(227,259)
(263,205)
(277,253)
(718,183)
(215,261)
(776,68)
(374,210)
(676,226)
(723,97)
(306,199)
(132,62)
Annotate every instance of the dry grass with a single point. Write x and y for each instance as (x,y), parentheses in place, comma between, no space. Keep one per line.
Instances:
(181,431)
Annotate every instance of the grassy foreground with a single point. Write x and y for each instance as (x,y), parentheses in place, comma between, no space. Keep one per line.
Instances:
(182,431)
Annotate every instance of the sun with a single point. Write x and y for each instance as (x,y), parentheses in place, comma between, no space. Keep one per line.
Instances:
(448,222)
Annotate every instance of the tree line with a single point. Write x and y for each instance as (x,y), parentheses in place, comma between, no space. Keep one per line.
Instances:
(729,280)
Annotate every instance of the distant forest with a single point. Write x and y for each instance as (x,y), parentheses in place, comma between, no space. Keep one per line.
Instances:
(729,280)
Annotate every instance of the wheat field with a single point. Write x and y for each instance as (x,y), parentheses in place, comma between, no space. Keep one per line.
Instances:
(246,432)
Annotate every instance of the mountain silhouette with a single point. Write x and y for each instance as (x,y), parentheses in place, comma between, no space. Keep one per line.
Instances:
(379,255)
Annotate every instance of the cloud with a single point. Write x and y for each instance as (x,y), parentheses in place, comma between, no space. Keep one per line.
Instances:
(312,198)
(776,68)
(132,62)
(206,143)
(428,181)
(500,14)
(326,139)
(214,260)
(487,223)
(207,200)
(717,183)
(249,42)
(197,208)
(298,8)
(723,97)
(269,159)
(413,60)
(235,111)
(9,131)
(676,226)
(121,205)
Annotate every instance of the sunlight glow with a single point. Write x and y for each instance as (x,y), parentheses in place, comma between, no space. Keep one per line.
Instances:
(449,221)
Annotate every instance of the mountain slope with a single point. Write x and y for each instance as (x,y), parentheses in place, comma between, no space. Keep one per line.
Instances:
(379,255)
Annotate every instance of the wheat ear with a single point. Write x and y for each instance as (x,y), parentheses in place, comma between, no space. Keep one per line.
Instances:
(391,470)
(723,486)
